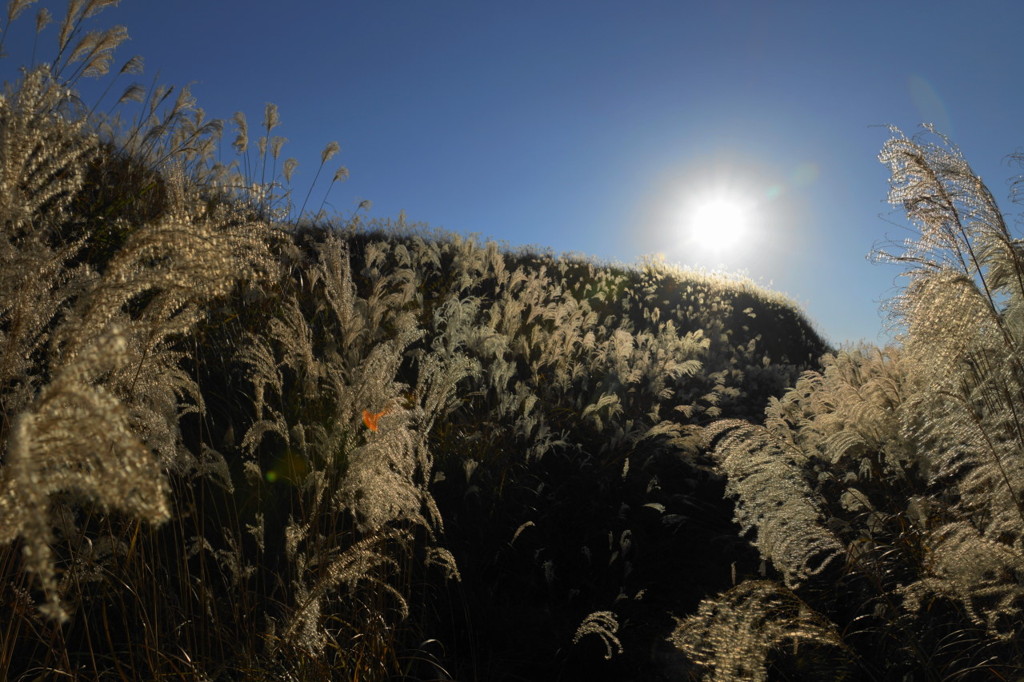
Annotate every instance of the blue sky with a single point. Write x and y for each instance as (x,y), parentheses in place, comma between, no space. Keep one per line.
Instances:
(589,126)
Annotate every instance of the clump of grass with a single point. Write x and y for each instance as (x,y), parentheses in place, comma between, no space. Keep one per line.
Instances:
(908,457)
(224,432)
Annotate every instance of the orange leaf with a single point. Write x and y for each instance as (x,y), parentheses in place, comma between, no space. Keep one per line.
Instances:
(371,419)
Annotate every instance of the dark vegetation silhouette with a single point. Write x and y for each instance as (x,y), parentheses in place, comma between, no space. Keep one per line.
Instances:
(245,442)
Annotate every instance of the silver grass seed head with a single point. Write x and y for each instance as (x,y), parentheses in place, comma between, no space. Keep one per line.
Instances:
(43,18)
(85,47)
(330,150)
(133,65)
(275,146)
(289,168)
(185,100)
(16,7)
(605,625)
(68,24)
(241,142)
(96,6)
(270,117)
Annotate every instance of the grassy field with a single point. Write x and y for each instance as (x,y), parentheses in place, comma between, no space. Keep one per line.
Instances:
(244,440)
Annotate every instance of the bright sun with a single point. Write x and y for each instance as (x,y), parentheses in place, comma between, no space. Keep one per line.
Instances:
(718,224)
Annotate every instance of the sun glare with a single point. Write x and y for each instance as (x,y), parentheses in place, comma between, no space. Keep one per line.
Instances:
(719,223)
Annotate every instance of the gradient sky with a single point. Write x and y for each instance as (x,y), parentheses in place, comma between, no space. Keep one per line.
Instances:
(587,125)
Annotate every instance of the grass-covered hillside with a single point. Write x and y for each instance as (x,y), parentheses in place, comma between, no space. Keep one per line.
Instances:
(243,440)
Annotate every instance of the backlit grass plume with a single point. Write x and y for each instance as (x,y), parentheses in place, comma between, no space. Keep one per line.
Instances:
(732,636)
(76,438)
(767,478)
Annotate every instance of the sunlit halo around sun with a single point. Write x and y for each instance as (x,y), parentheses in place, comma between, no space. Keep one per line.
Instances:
(718,223)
